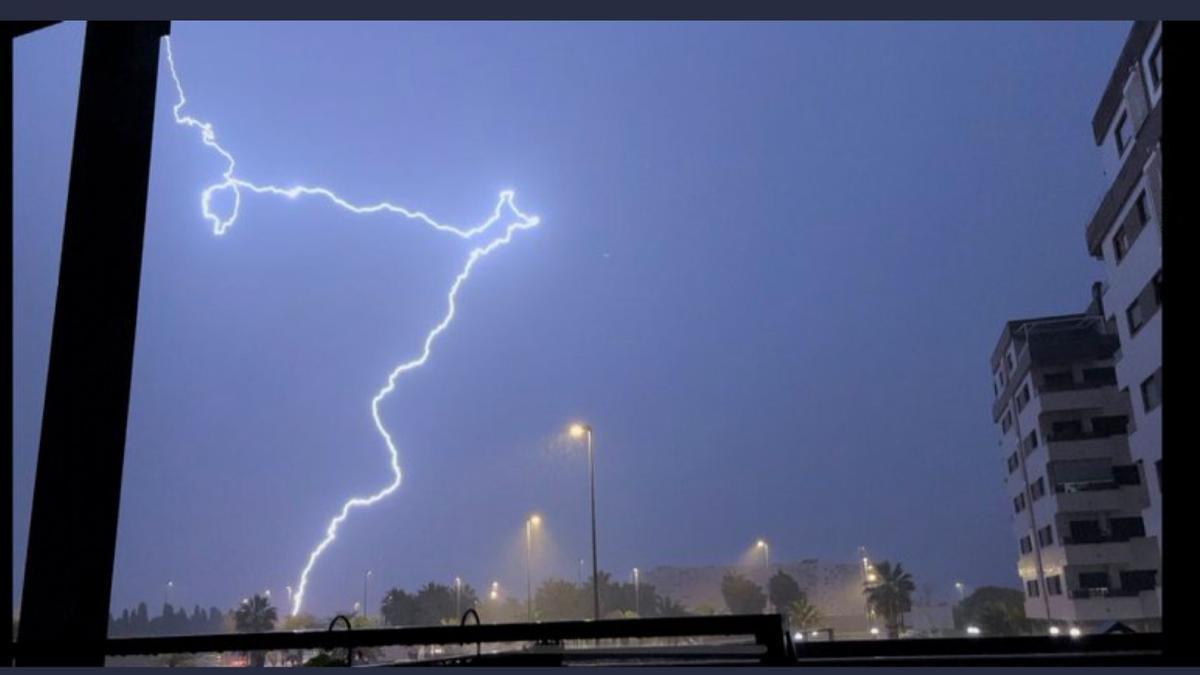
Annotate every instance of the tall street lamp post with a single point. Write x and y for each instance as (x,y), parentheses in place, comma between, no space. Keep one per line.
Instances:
(531,523)
(579,430)
(766,549)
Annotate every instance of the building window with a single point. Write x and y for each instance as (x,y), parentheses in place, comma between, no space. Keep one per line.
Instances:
(1127,474)
(1135,316)
(1023,398)
(1100,376)
(1066,430)
(1031,442)
(1013,463)
(1046,536)
(1026,545)
(1058,381)
(1085,532)
(1124,529)
(1038,489)
(1093,579)
(1111,425)
(1139,580)
(1008,362)
(1054,585)
(1155,66)
(1123,134)
(1031,588)
(1006,423)
(1152,391)
(1019,503)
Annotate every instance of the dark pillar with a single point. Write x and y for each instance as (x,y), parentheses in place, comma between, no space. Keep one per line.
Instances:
(77,493)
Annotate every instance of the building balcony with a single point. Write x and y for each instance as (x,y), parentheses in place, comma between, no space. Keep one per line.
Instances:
(1081,396)
(1100,605)
(1103,496)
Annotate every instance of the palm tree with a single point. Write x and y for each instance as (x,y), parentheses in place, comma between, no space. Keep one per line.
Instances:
(804,615)
(891,595)
(255,615)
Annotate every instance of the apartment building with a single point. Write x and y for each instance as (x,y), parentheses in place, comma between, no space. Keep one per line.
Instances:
(1126,233)
(1077,498)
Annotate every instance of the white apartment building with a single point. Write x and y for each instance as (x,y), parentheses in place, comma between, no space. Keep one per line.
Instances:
(1126,232)
(1084,554)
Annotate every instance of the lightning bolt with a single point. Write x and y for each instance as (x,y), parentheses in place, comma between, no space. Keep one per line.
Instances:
(220,225)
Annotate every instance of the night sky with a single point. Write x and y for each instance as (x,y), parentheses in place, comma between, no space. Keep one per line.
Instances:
(773,262)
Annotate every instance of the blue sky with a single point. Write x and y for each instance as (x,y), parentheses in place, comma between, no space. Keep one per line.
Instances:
(772,265)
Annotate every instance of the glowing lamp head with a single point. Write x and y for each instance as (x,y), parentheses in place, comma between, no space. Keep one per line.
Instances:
(761,543)
(872,578)
(973,630)
(578,430)
(1075,632)
(535,520)
(874,631)
(1054,630)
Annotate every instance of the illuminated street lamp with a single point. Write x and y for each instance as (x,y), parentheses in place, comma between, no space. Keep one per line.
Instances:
(457,596)
(637,597)
(495,592)
(366,582)
(766,549)
(579,430)
(533,521)
(961,590)
(167,592)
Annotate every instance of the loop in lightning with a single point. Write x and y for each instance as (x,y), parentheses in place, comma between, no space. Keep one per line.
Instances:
(220,225)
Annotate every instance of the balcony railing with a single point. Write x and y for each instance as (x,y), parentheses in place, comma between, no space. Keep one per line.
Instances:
(1086,486)
(1088,593)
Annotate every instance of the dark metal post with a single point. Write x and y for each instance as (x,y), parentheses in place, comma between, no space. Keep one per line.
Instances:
(77,492)
(595,566)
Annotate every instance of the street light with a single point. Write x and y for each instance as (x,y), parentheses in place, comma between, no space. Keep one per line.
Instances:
(766,549)
(457,596)
(533,521)
(961,590)
(366,580)
(495,592)
(167,592)
(637,597)
(579,430)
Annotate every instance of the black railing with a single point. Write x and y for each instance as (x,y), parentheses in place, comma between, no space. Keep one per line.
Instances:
(769,633)
(771,644)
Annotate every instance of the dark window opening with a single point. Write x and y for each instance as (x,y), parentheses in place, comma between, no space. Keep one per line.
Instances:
(1046,536)
(1139,580)
(1066,430)
(1124,529)
(1031,588)
(1093,580)
(1100,376)
(1127,474)
(1054,585)
(1123,133)
(1112,425)
(1152,391)
(1085,531)
(1155,66)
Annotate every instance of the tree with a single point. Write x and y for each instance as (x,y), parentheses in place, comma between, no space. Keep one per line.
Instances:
(783,591)
(435,604)
(995,610)
(667,606)
(741,595)
(255,615)
(804,615)
(891,595)
(559,600)
(399,608)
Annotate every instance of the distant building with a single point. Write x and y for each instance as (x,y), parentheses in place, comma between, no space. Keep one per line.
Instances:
(1126,232)
(1084,555)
